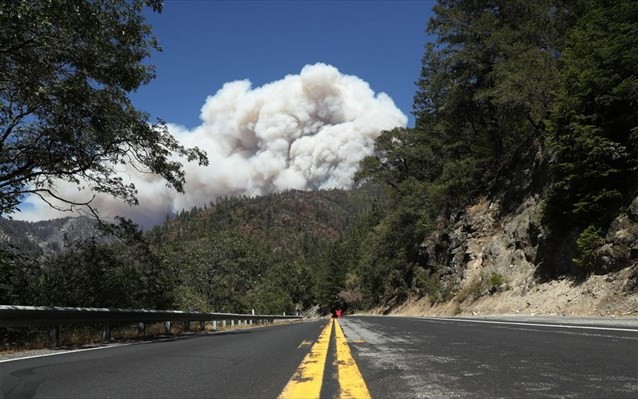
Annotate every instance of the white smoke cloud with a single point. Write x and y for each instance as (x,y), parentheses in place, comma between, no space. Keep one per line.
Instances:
(307,131)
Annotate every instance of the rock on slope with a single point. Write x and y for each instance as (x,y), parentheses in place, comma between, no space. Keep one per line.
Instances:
(496,259)
(47,237)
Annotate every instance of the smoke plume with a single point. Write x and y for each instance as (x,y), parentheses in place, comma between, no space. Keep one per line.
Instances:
(307,132)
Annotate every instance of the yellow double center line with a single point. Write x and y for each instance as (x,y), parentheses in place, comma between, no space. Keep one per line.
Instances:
(306,382)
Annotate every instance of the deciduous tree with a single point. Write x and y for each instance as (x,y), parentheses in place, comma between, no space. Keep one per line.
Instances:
(66,71)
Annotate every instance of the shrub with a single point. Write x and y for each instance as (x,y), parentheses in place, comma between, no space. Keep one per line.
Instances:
(587,243)
(495,281)
(473,290)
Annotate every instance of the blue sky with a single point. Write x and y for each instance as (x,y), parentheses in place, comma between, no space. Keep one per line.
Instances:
(209,42)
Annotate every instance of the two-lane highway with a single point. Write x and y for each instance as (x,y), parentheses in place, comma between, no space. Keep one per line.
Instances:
(355,357)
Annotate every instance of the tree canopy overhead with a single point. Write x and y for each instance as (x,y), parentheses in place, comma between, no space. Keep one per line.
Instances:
(66,70)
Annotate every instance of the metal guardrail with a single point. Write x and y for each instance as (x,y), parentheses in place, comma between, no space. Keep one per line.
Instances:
(53,317)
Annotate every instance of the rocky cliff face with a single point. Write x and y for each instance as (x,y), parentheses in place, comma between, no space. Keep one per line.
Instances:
(621,247)
(494,260)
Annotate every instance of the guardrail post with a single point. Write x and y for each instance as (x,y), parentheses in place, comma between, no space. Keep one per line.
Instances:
(167,327)
(232,323)
(202,325)
(224,323)
(141,329)
(187,326)
(54,335)
(106,332)
(214,325)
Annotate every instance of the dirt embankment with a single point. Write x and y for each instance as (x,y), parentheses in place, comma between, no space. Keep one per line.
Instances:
(597,296)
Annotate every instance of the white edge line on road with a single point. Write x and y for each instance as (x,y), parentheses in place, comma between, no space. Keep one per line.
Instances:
(64,352)
(529,324)
(107,346)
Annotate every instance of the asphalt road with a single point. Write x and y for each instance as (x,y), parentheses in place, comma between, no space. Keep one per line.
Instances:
(439,358)
(248,363)
(396,358)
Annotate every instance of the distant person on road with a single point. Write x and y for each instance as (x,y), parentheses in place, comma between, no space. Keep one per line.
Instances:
(338,313)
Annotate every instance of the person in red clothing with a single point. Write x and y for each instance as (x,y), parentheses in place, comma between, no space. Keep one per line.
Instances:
(338,312)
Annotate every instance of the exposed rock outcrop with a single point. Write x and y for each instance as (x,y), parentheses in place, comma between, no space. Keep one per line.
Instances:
(493,260)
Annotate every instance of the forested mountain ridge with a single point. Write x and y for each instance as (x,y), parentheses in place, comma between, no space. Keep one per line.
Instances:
(271,253)
(290,221)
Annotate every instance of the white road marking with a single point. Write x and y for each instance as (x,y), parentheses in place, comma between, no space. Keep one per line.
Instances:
(106,346)
(510,323)
(63,352)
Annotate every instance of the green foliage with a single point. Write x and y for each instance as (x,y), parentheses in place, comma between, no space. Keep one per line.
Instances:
(102,271)
(18,276)
(273,254)
(291,255)
(330,275)
(285,287)
(498,77)
(66,69)
(401,154)
(102,275)
(215,272)
(485,90)
(495,281)
(389,250)
(587,243)
(595,119)
(485,86)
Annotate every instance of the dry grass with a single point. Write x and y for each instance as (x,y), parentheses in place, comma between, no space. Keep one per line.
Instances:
(596,296)
(472,289)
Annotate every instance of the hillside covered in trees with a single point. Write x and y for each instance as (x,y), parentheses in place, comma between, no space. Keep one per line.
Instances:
(281,252)
(522,162)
